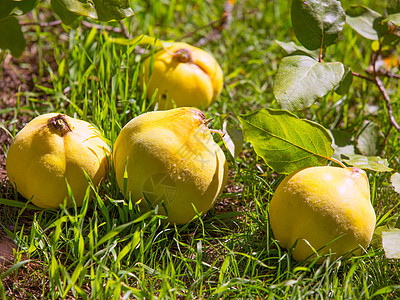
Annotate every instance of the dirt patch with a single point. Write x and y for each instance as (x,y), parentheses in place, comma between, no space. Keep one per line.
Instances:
(6,250)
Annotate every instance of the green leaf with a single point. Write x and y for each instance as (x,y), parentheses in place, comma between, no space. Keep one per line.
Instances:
(101,10)
(67,17)
(395,181)
(394,18)
(285,142)
(292,49)
(365,21)
(16,7)
(113,9)
(11,36)
(82,8)
(374,163)
(344,84)
(233,139)
(390,41)
(300,80)
(369,138)
(391,243)
(317,23)
(342,143)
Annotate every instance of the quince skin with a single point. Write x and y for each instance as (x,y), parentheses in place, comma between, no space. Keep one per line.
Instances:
(170,160)
(325,208)
(183,75)
(50,150)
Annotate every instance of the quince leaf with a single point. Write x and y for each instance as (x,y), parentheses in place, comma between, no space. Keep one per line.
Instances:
(395,181)
(393,10)
(67,17)
(11,36)
(374,163)
(342,143)
(285,142)
(394,18)
(16,8)
(292,49)
(391,243)
(101,10)
(344,84)
(365,21)
(317,23)
(369,138)
(233,139)
(300,80)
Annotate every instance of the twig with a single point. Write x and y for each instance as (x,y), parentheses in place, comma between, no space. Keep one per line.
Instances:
(379,83)
(382,89)
(228,9)
(376,80)
(44,24)
(363,77)
(223,22)
(101,27)
(387,73)
(212,23)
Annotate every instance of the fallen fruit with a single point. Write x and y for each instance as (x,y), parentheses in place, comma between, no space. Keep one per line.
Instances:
(172,161)
(50,150)
(184,75)
(326,208)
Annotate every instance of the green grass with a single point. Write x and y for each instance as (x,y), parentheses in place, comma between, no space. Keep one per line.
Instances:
(107,250)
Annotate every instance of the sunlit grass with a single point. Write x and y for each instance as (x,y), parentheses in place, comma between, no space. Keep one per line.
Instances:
(108,249)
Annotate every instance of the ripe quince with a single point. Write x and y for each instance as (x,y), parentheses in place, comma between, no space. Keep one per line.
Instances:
(169,159)
(50,150)
(325,208)
(184,75)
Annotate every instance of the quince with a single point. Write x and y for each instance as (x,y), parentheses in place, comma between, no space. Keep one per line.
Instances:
(324,208)
(183,75)
(50,150)
(170,160)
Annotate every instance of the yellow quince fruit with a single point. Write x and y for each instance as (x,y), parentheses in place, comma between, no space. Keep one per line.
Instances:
(51,150)
(169,159)
(327,209)
(183,75)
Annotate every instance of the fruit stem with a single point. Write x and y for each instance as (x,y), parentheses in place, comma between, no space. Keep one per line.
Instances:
(60,124)
(208,121)
(338,162)
(220,132)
